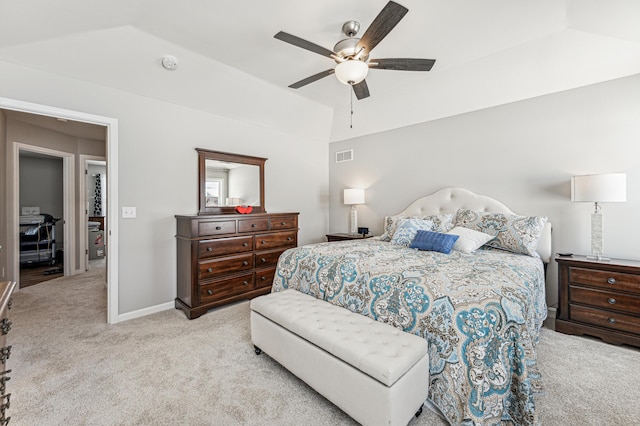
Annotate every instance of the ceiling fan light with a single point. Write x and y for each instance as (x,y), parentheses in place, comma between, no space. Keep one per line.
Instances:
(351,71)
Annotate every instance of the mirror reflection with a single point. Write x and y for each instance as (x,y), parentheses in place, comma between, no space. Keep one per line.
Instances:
(231,184)
(227,181)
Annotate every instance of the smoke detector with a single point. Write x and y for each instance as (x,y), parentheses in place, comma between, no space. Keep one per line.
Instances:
(170,62)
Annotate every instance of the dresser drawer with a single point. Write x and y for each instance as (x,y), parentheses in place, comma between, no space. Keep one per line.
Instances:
(224,288)
(279,239)
(264,278)
(265,259)
(605,299)
(611,320)
(284,222)
(253,225)
(211,248)
(225,265)
(216,228)
(616,281)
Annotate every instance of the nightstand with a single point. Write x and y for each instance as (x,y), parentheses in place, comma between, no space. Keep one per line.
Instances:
(600,299)
(344,237)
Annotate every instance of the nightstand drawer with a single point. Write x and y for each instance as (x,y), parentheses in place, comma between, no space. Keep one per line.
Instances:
(604,279)
(611,320)
(605,299)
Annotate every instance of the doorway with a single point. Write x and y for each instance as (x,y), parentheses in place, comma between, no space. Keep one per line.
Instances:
(111,225)
(41,223)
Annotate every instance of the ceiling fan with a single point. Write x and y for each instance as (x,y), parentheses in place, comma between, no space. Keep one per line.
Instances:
(352,54)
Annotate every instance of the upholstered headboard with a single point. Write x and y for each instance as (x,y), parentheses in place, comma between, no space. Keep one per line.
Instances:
(449,200)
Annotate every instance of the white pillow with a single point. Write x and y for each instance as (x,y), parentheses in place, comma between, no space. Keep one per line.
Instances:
(470,240)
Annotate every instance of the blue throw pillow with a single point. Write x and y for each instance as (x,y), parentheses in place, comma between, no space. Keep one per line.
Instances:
(434,241)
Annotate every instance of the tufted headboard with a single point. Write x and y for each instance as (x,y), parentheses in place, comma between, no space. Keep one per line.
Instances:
(449,200)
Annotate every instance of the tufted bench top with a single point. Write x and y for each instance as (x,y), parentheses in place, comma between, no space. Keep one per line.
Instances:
(377,349)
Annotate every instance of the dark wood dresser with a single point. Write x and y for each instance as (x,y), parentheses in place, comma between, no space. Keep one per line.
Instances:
(600,299)
(226,258)
(6,291)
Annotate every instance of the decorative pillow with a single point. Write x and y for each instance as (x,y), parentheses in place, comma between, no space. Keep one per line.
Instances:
(517,234)
(434,241)
(469,240)
(443,223)
(407,228)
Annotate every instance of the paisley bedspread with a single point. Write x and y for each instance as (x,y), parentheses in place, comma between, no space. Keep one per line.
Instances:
(480,312)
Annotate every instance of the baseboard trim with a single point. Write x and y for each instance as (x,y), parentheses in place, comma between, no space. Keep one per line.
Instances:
(145,311)
(550,322)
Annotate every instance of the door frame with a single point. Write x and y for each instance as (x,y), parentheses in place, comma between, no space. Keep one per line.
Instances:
(111,225)
(68,192)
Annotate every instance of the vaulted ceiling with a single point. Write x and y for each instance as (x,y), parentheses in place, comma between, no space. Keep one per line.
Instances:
(488,52)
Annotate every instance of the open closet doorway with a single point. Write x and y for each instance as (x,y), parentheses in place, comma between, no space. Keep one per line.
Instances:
(93,190)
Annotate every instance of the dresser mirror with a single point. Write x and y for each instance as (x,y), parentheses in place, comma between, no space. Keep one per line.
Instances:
(227,181)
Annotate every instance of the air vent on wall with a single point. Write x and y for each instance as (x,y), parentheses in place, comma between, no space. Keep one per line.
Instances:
(342,156)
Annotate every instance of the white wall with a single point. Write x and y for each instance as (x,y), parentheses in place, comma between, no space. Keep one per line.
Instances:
(158,173)
(522,154)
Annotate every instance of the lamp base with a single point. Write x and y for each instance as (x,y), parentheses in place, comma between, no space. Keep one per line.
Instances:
(354,220)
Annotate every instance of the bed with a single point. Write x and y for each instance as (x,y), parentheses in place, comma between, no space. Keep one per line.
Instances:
(480,308)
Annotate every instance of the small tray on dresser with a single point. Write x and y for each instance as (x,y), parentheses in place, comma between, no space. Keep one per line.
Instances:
(599,298)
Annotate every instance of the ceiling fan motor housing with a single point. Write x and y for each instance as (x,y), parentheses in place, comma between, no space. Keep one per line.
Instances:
(347,49)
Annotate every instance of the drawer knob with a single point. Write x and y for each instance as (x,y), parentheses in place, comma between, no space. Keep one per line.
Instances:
(218,228)
(283,223)
(245,244)
(209,292)
(263,278)
(263,242)
(253,225)
(245,283)
(611,280)
(612,301)
(612,321)
(263,260)
(209,269)
(289,239)
(245,263)
(209,249)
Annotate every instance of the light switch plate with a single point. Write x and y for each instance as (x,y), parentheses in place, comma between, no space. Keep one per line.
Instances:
(128,212)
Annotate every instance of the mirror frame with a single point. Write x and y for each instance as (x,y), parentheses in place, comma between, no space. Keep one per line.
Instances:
(205,154)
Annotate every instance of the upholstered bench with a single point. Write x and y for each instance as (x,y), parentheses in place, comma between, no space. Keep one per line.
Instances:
(377,374)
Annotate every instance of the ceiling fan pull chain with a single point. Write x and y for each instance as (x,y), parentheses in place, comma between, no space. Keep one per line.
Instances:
(351,116)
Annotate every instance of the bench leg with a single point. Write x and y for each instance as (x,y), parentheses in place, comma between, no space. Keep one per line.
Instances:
(419,411)
(257,349)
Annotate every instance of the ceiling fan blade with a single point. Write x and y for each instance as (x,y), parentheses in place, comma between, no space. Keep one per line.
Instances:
(311,79)
(386,20)
(361,90)
(402,64)
(297,41)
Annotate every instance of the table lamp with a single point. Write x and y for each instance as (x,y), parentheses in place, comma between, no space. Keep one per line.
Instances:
(604,188)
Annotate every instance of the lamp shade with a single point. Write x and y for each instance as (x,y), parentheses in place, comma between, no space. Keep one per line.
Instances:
(354,196)
(606,188)
(352,71)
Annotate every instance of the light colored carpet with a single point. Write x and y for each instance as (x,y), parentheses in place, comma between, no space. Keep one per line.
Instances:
(71,368)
